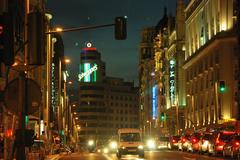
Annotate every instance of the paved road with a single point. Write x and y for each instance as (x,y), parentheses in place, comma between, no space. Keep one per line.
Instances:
(154,155)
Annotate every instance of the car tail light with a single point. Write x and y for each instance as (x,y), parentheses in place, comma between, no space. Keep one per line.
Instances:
(194,140)
(237,143)
(217,141)
(184,140)
(174,141)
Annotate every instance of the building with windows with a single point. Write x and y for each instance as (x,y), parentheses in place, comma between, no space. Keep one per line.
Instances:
(146,82)
(105,103)
(212,55)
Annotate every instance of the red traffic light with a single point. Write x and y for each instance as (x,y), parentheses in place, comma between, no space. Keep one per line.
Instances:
(9,133)
(1,29)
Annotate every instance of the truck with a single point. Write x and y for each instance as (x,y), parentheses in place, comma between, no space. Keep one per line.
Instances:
(130,142)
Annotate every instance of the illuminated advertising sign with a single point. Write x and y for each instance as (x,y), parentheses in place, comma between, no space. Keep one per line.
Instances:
(88,72)
(172,81)
(154,101)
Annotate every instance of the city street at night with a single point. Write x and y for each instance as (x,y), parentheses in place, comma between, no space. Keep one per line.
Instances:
(120,80)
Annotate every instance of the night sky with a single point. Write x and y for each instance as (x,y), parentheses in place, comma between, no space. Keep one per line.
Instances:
(121,56)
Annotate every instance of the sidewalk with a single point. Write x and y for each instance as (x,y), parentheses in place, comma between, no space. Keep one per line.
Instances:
(52,157)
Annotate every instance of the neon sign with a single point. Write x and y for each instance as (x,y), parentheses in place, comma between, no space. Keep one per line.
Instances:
(88,70)
(172,81)
(154,102)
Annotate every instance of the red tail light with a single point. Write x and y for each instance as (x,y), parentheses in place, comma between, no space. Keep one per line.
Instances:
(217,141)
(184,140)
(174,141)
(237,143)
(194,140)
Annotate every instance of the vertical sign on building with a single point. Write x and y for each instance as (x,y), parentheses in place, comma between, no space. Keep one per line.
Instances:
(154,101)
(172,81)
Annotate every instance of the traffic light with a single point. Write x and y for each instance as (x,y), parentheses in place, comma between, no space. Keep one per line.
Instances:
(36,38)
(222,87)
(9,133)
(6,39)
(162,116)
(121,28)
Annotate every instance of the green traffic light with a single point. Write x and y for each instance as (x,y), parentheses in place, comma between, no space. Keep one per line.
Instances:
(222,87)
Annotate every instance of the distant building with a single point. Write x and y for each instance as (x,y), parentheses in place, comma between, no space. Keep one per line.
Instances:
(105,103)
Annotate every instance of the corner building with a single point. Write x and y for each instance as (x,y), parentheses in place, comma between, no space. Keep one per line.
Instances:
(105,103)
(212,55)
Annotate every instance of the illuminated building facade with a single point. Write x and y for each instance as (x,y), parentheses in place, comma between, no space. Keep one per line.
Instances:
(212,55)
(162,89)
(148,108)
(105,103)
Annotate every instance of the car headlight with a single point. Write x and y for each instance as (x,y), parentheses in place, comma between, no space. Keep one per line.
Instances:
(113,145)
(90,142)
(151,144)
(105,150)
(123,147)
(140,147)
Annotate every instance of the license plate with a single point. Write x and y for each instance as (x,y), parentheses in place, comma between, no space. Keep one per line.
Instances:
(132,150)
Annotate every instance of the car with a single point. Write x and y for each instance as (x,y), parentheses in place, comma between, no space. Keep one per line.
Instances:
(184,142)
(173,142)
(232,147)
(37,150)
(205,143)
(194,142)
(162,143)
(219,140)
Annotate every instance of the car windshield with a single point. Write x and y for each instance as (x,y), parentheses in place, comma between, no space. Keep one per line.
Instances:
(37,145)
(163,139)
(130,137)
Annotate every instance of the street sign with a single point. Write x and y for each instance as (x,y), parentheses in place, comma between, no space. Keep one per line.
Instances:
(33,96)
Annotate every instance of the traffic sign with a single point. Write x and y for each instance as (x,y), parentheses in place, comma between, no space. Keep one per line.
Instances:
(33,96)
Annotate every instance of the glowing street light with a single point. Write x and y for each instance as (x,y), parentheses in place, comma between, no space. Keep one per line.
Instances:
(67,60)
(58,29)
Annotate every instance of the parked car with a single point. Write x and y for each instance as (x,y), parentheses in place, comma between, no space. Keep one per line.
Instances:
(205,143)
(232,147)
(173,142)
(194,142)
(184,142)
(37,150)
(219,140)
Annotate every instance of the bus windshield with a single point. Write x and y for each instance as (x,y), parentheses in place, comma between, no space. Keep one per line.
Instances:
(130,137)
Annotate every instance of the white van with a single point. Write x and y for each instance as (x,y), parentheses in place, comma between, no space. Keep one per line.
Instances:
(130,142)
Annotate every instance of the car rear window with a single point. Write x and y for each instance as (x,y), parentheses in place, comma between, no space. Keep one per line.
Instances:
(225,136)
(207,136)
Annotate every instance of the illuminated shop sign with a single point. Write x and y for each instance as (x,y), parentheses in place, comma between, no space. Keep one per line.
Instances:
(53,89)
(172,81)
(154,101)
(88,72)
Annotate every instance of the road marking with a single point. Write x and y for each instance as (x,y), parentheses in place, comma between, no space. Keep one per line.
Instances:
(188,158)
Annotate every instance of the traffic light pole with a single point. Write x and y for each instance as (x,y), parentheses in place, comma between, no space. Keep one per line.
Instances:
(20,143)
